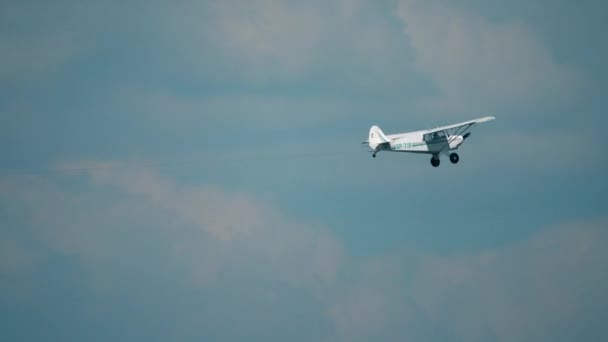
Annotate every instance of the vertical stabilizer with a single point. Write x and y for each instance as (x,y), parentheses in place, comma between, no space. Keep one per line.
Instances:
(377,137)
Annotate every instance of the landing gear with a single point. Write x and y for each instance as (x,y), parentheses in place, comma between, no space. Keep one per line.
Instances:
(454,158)
(374,155)
(435,161)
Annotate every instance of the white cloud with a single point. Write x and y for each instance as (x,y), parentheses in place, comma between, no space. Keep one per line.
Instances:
(271,33)
(546,287)
(278,42)
(537,289)
(210,229)
(126,216)
(482,65)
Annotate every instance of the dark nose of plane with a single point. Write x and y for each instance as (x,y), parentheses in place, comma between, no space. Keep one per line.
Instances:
(466,135)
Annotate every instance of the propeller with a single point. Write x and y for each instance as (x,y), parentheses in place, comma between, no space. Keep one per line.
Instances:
(466,135)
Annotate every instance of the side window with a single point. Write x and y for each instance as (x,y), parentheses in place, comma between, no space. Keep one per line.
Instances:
(434,136)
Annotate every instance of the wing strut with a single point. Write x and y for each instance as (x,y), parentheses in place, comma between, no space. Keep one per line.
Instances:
(460,130)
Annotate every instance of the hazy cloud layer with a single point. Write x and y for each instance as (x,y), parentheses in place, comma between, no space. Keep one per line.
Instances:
(128,218)
(483,65)
(244,206)
(345,44)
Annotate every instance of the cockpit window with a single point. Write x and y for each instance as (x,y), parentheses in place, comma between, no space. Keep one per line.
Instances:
(434,136)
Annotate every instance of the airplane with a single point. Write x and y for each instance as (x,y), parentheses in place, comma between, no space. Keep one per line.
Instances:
(437,141)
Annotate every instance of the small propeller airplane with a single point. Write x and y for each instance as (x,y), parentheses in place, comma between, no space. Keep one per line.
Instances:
(437,141)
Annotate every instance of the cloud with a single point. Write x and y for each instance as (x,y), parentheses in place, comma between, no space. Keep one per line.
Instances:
(124,223)
(220,253)
(271,33)
(481,65)
(548,286)
(209,228)
(345,44)
(537,289)
(234,222)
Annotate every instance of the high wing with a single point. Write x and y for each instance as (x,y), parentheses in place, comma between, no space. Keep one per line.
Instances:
(466,124)
(460,128)
(453,130)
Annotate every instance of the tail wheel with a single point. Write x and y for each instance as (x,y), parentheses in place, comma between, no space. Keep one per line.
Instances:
(454,158)
(435,161)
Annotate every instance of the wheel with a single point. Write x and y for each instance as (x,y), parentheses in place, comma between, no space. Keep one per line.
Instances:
(435,162)
(374,155)
(454,158)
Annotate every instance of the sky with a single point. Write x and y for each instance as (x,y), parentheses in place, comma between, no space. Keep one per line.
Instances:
(193,170)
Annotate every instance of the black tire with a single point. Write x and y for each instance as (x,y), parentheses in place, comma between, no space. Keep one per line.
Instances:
(435,162)
(454,158)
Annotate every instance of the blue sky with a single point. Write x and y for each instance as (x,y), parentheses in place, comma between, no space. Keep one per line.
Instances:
(193,171)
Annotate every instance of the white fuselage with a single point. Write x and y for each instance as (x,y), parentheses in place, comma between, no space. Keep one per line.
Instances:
(421,142)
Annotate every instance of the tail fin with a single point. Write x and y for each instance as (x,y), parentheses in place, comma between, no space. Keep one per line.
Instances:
(377,138)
